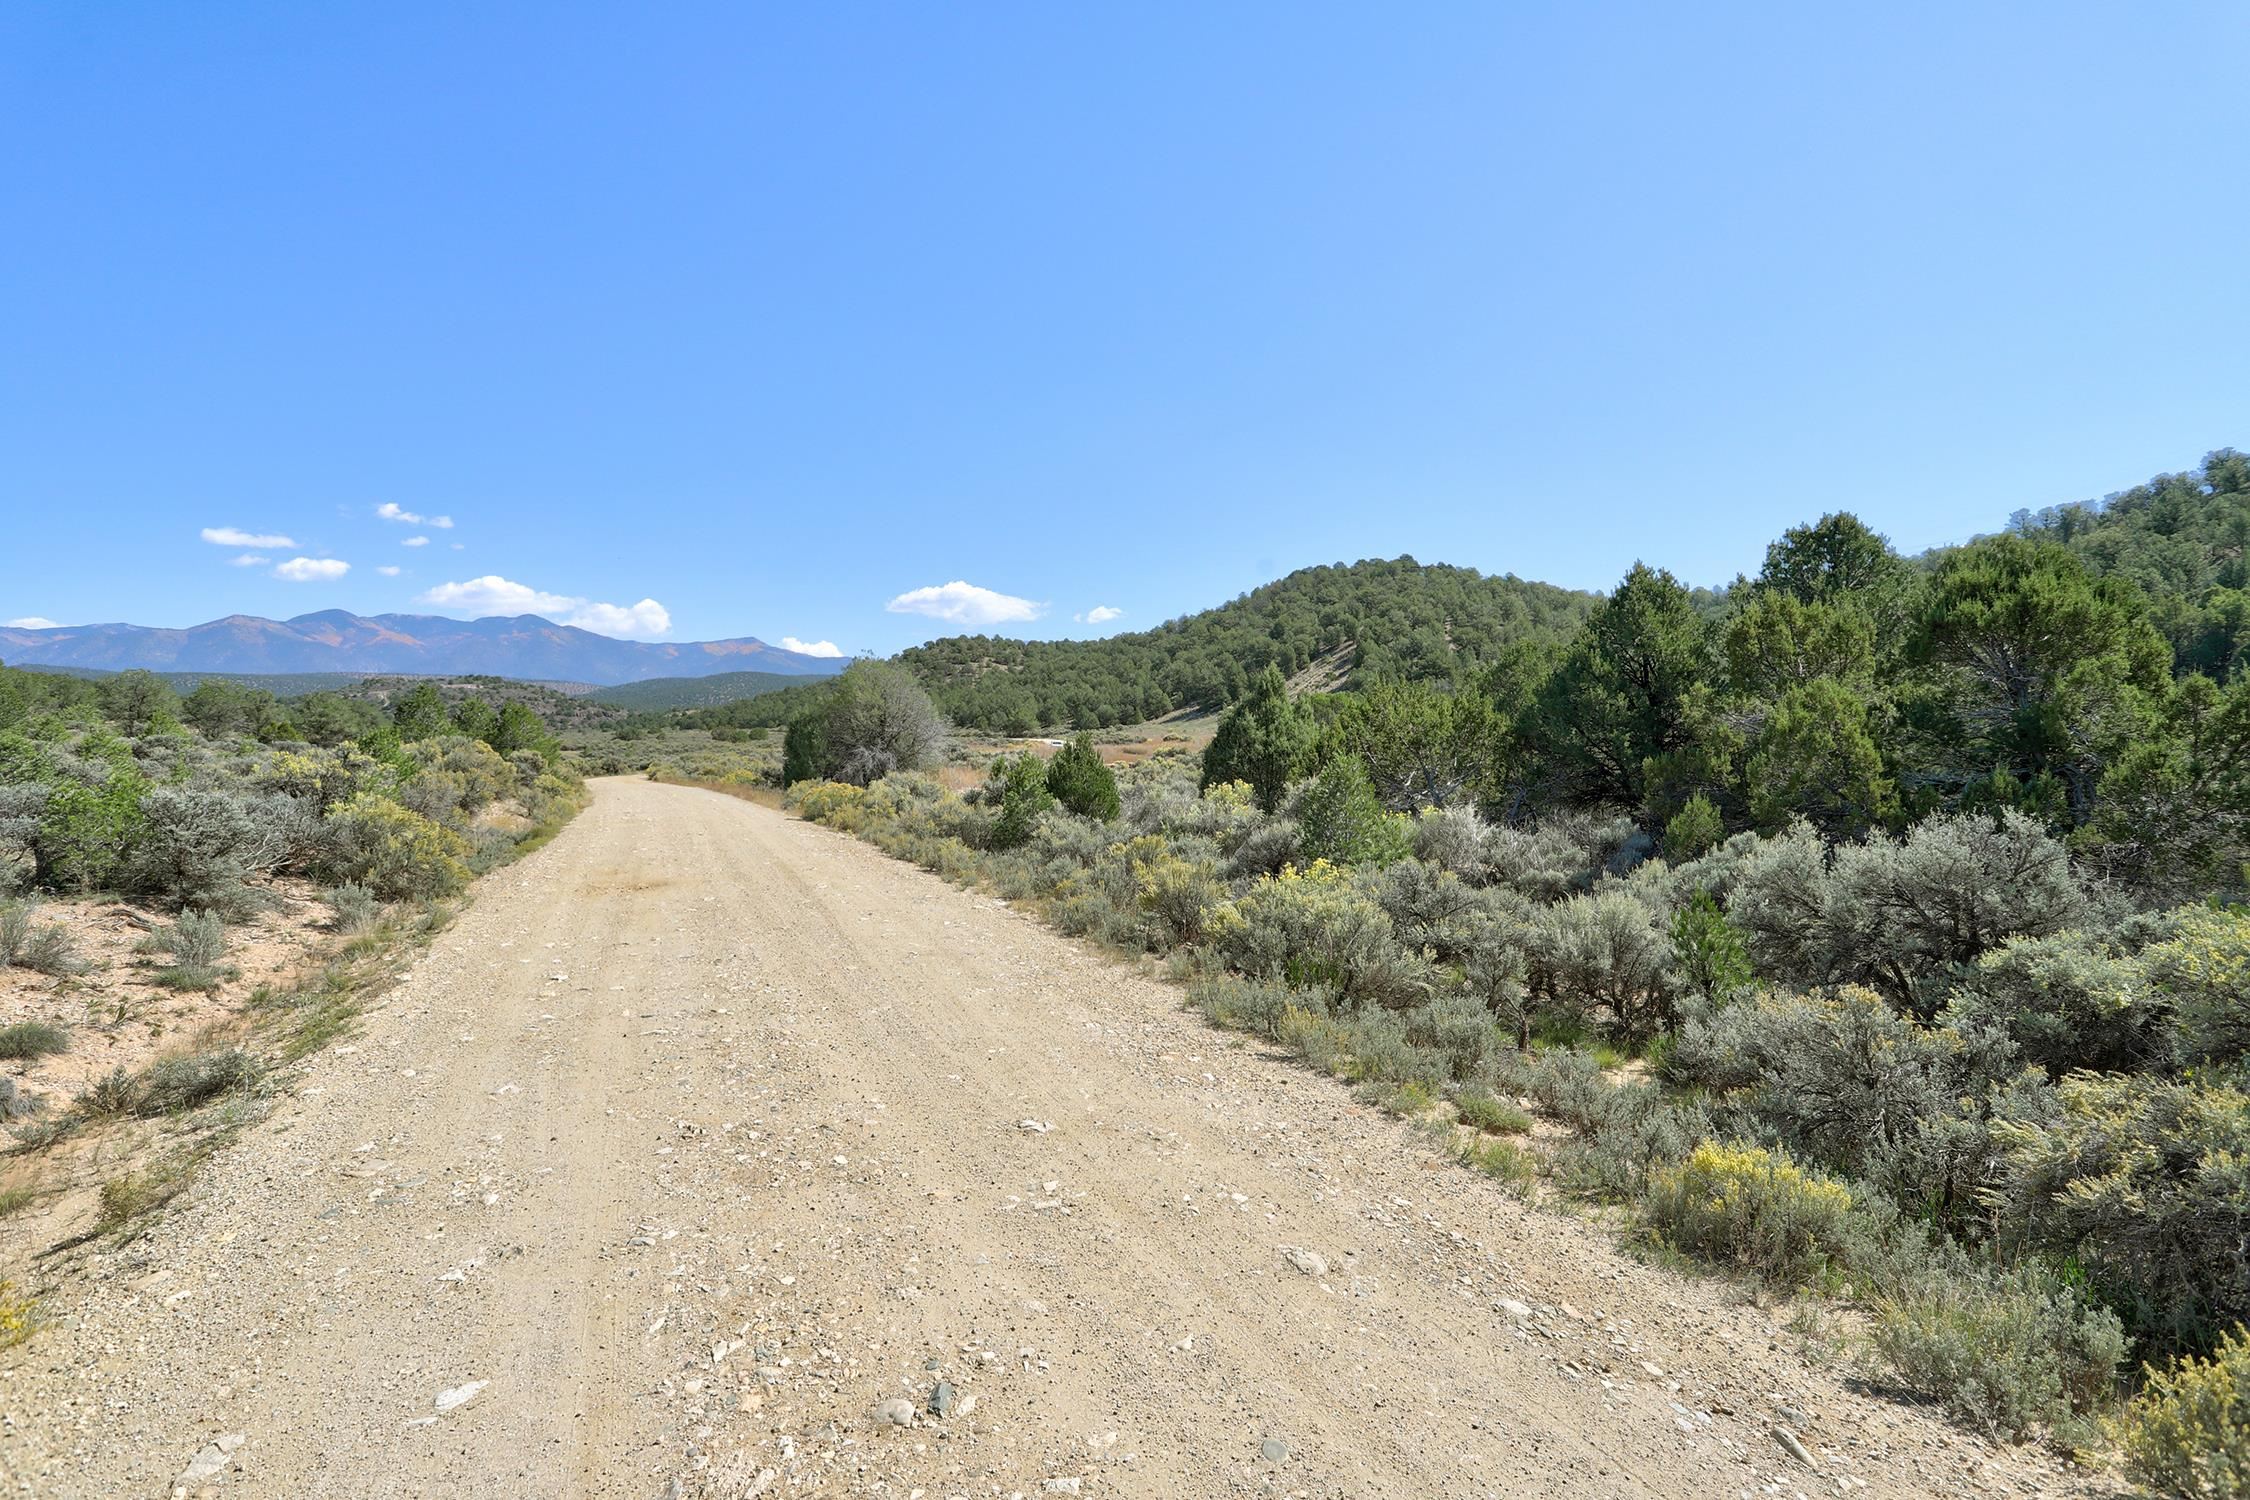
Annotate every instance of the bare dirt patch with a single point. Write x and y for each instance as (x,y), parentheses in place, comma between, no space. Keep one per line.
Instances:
(118,1015)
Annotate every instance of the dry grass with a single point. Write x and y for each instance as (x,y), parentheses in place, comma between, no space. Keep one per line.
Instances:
(1125,745)
(133,1196)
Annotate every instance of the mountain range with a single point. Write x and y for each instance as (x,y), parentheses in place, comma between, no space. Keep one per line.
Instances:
(336,640)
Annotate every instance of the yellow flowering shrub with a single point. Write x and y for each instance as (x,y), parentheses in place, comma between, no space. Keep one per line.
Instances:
(2204,971)
(825,801)
(1235,796)
(2188,1432)
(1750,1207)
(1179,894)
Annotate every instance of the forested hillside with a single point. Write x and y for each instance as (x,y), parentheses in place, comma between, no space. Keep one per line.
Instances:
(280,684)
(1401,618)
(657,694)
(2184,541)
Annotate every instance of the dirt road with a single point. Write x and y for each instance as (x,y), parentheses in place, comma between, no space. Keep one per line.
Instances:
(705,1132)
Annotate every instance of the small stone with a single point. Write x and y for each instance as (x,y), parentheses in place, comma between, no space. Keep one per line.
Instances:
(1520,1311)
(1311,1262)
(1274,1450)
(215,1456)
(1655,1371)
(1058,1486)
(942,1399)
(893,1411)
(1794,1446)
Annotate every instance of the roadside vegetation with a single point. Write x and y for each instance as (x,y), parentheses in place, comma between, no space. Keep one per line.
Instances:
(190,819)
(1873,931)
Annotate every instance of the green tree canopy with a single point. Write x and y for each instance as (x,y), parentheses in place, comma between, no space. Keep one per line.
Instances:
(1817,759)
(1266,740)
(870,721)
(1081,782)
(1620,697)
(420,713)
(2041,663)
(138,701)
(1421,746)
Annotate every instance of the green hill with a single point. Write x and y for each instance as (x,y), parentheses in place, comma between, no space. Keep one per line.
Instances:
(660,693)
(1398,619)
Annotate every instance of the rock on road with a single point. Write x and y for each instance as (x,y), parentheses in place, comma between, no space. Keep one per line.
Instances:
(712,1153)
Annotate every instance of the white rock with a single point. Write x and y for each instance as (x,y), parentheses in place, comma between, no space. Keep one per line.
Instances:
(894,1411)
(1311,1262)
(216,1455)
(459,1395)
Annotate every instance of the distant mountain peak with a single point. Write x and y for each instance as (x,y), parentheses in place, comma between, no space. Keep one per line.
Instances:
(336,640)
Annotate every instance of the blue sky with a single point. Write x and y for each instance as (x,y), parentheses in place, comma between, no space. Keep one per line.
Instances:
(785,320)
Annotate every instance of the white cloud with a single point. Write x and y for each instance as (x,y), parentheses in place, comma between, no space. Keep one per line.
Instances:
(388,572)
(312,569)
(1100,614)
(248,560)
(390,512)
(632,621)
(234,536)
(964,604)
(810,648)
(33,622)
(494,595)
(415,541)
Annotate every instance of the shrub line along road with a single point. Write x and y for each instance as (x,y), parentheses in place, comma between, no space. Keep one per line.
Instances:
(705,1132)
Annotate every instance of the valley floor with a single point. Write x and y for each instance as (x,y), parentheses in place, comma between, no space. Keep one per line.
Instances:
(706,1132)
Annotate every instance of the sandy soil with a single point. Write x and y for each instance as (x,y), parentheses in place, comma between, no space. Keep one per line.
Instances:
(118,1015)
(707,1132)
